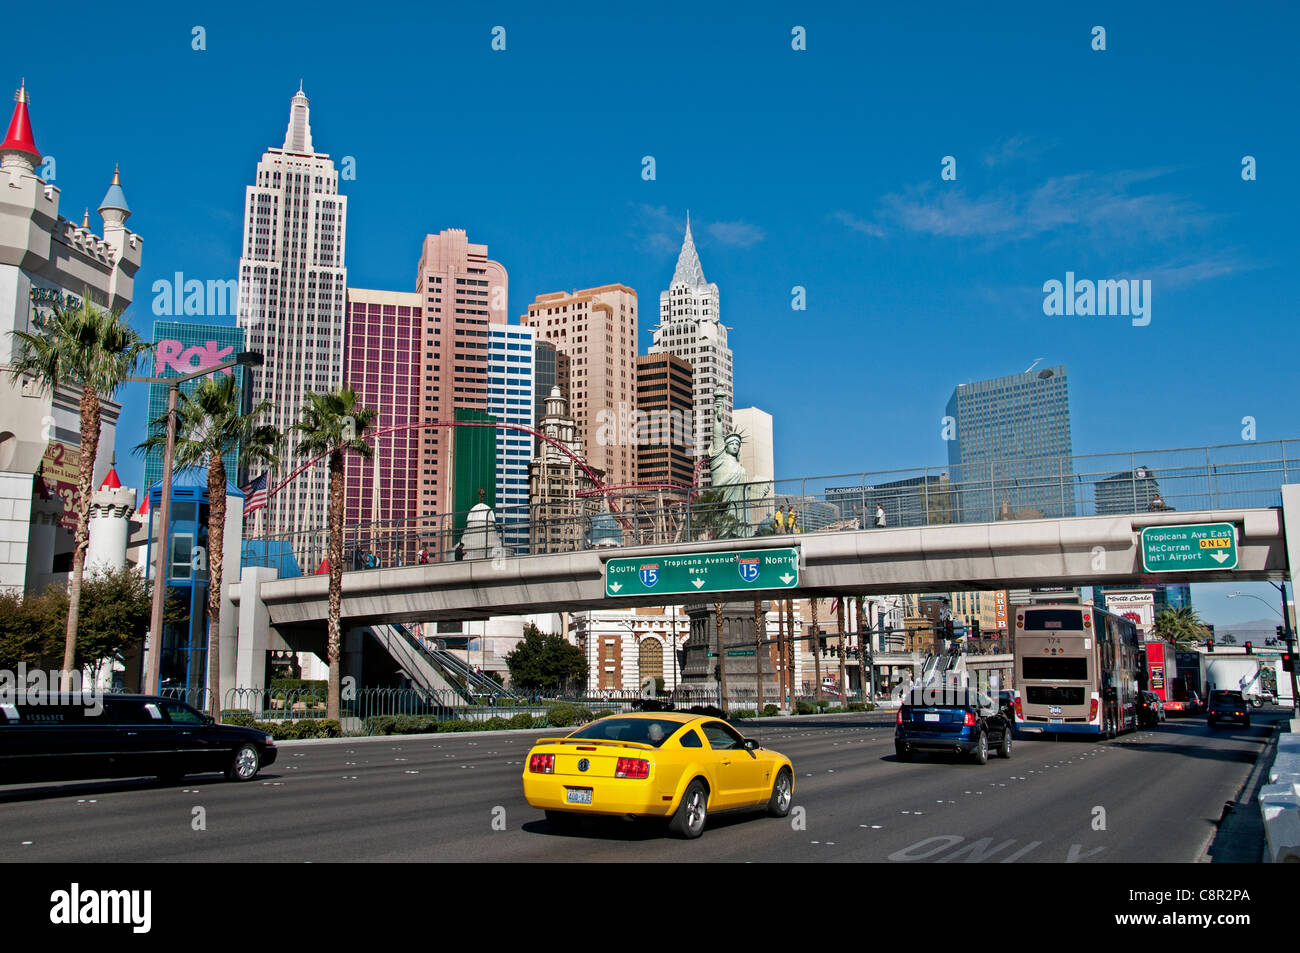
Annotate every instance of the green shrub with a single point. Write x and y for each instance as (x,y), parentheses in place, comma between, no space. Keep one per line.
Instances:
(802,707)
(561,715)
(823,703)
(583,715)
(380,724)
(521,720)
(744,713)
(241,717)
(857,706)
(769,711)
(603,713)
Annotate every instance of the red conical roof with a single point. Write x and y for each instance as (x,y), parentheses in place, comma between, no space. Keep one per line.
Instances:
(111,482)
(19,136)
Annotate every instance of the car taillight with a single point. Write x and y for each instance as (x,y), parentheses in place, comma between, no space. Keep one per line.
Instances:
(1092,712)
(899,719)
(969,719)
(1020,712)
(638,768)
(542,764)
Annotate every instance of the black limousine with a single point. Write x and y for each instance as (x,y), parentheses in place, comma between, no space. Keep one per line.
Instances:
(123,736)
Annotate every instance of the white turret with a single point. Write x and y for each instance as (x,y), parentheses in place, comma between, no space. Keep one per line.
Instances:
(109,522)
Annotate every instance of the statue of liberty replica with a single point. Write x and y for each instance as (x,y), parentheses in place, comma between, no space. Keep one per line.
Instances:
(728,476)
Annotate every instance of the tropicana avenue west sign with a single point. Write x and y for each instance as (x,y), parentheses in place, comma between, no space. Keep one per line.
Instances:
(703,572)
(1194,547)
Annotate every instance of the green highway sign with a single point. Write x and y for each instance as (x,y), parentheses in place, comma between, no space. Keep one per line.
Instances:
(1196,547)
(703,573)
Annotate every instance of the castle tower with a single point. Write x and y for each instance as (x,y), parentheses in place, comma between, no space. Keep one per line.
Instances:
(19,152)
(47,261)
(111,507)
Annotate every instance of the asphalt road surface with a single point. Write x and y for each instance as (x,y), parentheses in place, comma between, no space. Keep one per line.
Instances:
(1150,796)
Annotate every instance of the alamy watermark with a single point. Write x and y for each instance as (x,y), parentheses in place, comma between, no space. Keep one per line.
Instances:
(1128,297)
(39,688)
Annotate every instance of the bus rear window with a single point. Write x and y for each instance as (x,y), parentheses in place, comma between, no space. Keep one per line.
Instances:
(1053,620)
(1053,695)
(1059,668)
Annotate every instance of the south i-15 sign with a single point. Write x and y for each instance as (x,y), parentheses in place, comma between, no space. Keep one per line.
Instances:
(702,572)
(1193,547)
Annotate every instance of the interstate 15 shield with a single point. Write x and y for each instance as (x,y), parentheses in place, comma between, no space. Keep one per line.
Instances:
(748,568)
(649,575)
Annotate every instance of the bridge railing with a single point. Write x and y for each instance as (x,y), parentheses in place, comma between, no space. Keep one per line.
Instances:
(1199,478)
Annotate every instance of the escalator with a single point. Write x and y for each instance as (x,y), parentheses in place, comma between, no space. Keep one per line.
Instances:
(421,666)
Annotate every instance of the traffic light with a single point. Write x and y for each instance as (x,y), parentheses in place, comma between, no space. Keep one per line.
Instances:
(974,628)
(1250,650)
(1288,662)
(947,628)
(1209,644)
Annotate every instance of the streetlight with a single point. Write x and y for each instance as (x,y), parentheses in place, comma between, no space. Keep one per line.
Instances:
(1257,599)
(1286,629)
(242,359)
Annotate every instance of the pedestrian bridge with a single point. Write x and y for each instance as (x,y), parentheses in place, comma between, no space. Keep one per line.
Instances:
(1008,554)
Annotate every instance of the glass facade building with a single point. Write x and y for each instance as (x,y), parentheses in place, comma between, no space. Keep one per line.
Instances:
(1010,452)
(511,368)
(178,349)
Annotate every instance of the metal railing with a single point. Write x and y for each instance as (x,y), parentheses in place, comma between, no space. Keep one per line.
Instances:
(1197,478)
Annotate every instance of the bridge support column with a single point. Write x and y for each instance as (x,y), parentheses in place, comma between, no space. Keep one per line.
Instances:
(254,636)
(352,651)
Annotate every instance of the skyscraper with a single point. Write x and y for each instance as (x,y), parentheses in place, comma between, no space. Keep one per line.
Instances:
(665,403)
(550,369)
(292,293)
(690,326)
(1010,454)
(561,518)
(596,328)
(510,400)
(464,292)
(382,365)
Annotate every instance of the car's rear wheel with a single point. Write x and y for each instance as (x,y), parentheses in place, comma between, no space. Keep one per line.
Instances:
(692,813)
(902,752)
(1004,749)
(245,764)
(981,753)
(778,805)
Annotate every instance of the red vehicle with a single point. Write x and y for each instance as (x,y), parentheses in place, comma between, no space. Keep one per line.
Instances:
(1163,680)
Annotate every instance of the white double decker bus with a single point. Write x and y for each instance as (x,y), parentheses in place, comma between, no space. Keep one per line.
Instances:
(1076,670)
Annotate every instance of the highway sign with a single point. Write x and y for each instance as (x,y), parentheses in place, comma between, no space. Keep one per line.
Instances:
(1197,547)
(702,573)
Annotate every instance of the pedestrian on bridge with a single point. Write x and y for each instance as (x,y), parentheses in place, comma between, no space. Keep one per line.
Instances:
(779,519)
(880,515)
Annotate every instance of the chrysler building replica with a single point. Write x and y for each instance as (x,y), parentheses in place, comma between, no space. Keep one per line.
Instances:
(690,327)
(292,291)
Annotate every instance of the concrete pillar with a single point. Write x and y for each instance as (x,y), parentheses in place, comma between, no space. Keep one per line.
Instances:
(252,636)
(352,651)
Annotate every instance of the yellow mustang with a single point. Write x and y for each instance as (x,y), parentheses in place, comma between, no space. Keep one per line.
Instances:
(661,764)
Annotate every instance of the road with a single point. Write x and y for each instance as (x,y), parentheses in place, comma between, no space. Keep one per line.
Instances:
(1150,796)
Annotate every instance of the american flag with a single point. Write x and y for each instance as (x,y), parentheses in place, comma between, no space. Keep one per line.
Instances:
(254,495)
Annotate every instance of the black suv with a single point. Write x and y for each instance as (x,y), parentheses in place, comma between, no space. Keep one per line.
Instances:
(958,720)
(1227,706)
(123,736)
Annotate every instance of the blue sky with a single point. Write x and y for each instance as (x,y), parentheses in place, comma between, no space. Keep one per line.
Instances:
(818,168)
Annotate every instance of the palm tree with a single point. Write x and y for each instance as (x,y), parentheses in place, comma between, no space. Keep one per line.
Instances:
(759,649)
(209,426)
(333,424)
(95,350)
(711,516)
(1181,626)
(722,658)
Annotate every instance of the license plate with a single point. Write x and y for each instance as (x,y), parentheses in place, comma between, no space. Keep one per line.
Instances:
(931,717)
(1054,710)
(1056,721)
(579,796)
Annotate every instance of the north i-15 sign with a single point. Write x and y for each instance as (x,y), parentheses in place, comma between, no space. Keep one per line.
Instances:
(702,572)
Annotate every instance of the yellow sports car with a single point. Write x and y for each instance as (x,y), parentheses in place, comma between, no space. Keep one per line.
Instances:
(661,764)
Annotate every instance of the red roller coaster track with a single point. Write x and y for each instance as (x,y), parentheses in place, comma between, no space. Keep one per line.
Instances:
(601,488)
